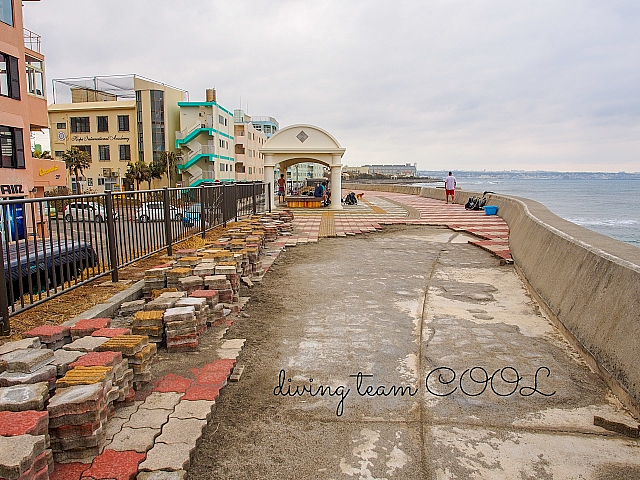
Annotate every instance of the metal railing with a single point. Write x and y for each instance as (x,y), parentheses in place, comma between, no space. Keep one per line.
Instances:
(53,244)
(32,40)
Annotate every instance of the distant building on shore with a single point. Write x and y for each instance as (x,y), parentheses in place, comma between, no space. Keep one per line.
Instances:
(116,120)
(406,170)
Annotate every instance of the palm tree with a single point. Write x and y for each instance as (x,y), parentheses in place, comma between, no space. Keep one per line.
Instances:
(156,170)
(76,161)
(138,172)
(169,160)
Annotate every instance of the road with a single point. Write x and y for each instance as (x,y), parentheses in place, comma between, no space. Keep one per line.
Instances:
(371,331)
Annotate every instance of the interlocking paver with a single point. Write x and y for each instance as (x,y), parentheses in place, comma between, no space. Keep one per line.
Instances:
(166,401)
(200,409)
(134,439)
(114,465)
(148,417)
(182,430)
(163,456)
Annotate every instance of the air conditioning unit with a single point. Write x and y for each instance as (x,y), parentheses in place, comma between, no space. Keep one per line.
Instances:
(115,174)
(106,172)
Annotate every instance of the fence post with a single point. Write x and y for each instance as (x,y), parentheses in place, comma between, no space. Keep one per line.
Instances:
(269,194)
(167,221)
(203,227)
(225,202)
(5,328)
(111,236)
(253,197)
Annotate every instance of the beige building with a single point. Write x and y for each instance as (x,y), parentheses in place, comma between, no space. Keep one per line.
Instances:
(206,141)
(248,141)
(116,120)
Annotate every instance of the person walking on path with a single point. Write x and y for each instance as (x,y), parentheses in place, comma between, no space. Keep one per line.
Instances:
(281,185)
(450,187)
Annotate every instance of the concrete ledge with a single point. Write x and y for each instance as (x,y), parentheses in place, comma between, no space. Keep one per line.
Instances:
(108,309)
(588,283)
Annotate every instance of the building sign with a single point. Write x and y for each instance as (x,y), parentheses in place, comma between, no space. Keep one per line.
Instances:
(44,171)
(11,189)
(87,138)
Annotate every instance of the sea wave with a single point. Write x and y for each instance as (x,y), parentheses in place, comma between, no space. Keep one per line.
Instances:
(603,222)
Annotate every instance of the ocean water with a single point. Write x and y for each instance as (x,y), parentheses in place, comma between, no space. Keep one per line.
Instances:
(610,206)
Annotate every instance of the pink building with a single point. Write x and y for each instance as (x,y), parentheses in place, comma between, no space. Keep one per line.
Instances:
(23,109)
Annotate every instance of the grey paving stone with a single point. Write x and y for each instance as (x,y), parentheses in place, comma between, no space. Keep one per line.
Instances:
(62,358)
(85,344)
(164,400)
(182,430)
(19,398)
(153,418)
(27,360)
(43,374)
(200,409)
(160,475)
(137,439)
(162,456)
(31,342)
(126,412)
(113,426)
(18,453)
(76,400)
(236,343)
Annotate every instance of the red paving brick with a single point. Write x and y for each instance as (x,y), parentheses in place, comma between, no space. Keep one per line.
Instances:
(201,392)
(114,465)
(68,471)
(172,383)
(432,212)
(30,422)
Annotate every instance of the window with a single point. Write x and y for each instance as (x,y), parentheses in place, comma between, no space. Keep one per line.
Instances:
(61,125)
(58,153)
(123,123)
(89,182)
(6,12)
(80,124)
(104,153)
(84,148)
(125,152)
(222,167)
(11,147)
(103,124)
(35,76)
(9,76)
(157,123)
(100,181)
(139,122)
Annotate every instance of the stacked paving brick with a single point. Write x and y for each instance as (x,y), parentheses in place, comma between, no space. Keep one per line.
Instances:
(77,415)
(149,323)
(181,329)
(138,352)
(86,327)
(122,375)
(52,336)
(29,422)
(28,366)
(23,457)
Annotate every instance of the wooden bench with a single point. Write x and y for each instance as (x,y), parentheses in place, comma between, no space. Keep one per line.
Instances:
(303,201)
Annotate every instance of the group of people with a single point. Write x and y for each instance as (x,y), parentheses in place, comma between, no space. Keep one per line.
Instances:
(321,190)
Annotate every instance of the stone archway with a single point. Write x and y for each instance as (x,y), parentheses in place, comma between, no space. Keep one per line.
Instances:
(304,143)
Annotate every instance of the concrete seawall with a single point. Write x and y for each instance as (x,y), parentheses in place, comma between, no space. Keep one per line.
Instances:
(587,283)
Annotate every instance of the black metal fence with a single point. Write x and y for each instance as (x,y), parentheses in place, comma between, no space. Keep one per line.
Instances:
(53,244)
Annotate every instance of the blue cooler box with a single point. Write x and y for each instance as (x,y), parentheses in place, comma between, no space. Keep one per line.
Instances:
(490,209)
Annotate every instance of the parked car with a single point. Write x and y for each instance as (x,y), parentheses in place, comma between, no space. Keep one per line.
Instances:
(91,211)
(191,215)
(154,211)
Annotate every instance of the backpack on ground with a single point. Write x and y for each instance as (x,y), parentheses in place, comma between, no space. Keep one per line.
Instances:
(350,199)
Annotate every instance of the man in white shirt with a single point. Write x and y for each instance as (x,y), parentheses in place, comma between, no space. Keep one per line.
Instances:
(450,187)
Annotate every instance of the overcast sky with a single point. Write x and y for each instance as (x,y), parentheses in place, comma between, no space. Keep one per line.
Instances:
(450,85)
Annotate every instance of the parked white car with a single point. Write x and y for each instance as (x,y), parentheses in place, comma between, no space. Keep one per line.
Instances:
(91,211)
(154,211)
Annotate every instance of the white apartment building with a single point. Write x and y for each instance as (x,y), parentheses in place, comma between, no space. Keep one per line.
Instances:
(248,140)
(206,141)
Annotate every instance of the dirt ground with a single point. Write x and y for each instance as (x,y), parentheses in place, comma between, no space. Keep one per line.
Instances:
(72,303)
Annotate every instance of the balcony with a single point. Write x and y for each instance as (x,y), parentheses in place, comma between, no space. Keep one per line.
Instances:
(240,150)
(32,40)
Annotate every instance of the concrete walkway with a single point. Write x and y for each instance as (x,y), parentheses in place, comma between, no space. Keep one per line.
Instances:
(409,353)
